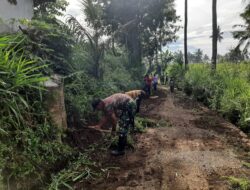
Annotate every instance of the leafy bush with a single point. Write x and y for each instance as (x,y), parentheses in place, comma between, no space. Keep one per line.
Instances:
(198,83)
(50,42)
(177,72)
(18,75)
(81,87)
(29,149)
(227,90)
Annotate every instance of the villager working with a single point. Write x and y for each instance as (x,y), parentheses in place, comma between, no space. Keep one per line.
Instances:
(147,87)
(171,84)
(137,95)
(119,106)
(155,82)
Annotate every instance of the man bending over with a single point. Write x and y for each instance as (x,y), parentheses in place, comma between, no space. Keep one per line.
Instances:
(119,106)
(137,95)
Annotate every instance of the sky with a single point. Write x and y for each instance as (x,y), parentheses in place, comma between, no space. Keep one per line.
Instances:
(200,23)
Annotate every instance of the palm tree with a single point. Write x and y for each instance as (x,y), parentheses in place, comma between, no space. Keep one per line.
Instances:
(219,34)
(215,34)
(185,35)
(244,34)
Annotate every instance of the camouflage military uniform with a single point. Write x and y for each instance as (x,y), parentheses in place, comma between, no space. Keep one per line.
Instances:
(126,117)
(124,107)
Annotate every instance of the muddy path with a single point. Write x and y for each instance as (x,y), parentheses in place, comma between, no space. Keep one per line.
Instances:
(194,151)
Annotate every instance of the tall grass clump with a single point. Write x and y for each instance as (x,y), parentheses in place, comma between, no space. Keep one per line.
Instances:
(19,76)
(29,150)
(176,72)
(227,90)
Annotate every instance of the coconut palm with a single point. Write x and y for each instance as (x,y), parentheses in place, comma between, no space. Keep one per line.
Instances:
(215,34)
(219,34)
(243,35)
(185,34)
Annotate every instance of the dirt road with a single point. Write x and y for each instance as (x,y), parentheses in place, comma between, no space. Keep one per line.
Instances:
(194,151)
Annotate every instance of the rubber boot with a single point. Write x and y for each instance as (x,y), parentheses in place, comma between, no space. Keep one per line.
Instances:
(172,89)
(121,145)
(138,104)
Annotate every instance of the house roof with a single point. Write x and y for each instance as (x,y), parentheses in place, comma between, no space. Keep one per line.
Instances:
(36,2)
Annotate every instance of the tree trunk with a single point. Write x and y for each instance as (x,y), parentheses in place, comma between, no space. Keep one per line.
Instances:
(97,54)
(134,46)
(150,59)
(185,35)
(215,35)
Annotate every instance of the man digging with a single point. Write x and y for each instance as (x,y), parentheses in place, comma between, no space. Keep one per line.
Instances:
(119,106)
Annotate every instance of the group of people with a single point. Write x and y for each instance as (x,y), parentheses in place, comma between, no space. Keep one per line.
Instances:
(150,80)
(119,108)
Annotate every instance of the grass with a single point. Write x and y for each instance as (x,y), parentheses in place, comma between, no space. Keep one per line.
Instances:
(143,123)
(227,90)
(239,183)
(247,165)
(81,169)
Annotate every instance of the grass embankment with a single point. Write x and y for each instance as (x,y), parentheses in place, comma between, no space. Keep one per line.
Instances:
(227,90)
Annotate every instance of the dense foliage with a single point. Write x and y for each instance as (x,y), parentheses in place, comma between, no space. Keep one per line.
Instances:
(123,40)
(227,90)
(243,35)
(29,146)
(31,153)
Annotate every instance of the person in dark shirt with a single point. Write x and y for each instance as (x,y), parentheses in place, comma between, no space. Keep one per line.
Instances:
(148,82)
(171,84)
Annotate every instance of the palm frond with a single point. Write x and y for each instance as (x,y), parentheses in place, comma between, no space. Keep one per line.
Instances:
(78,30)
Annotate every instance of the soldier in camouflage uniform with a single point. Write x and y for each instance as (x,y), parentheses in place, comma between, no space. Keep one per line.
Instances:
(119,106)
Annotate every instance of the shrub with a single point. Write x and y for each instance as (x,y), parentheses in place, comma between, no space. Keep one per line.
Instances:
(18,77)
(81,87)
(177,72)
(29,149)
(227,90)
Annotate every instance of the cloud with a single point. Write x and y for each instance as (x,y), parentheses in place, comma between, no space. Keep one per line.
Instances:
(200,24)
(75,9)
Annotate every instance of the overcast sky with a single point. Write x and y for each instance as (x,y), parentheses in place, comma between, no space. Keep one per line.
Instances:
(200,23)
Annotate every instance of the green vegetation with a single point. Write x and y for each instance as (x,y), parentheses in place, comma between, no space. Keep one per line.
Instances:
(227,90)
(239,183)
(246,165)
(31,157)
(80,169)
(28,142)
(143,123)
(122,41)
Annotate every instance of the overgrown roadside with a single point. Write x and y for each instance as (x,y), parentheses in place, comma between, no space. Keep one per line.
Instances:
(197,150)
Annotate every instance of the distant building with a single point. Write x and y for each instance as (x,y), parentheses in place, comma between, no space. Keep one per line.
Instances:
(10,13)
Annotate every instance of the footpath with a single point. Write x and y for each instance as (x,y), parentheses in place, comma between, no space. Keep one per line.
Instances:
(195,150)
